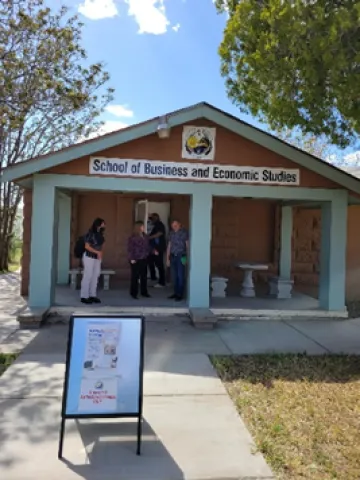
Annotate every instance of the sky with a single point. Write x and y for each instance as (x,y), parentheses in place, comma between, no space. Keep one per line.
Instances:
(162,55)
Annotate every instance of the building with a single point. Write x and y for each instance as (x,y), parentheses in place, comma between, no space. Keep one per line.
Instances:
(244,195)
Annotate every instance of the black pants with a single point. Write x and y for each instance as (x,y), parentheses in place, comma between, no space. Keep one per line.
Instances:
(158,262)
(138,271)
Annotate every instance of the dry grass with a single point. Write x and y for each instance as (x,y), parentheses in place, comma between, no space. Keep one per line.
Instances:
(303,412)
(6,360)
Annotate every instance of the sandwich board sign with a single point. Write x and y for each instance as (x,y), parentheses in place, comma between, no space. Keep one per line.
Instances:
(104,370)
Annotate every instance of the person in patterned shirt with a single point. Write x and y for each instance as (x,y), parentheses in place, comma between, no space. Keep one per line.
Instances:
(177,255)
(138,248)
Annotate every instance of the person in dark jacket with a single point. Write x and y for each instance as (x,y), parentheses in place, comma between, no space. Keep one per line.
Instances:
(94,241)
(138,249)
(158,245)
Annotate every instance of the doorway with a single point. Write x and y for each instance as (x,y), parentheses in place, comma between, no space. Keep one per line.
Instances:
(144,208)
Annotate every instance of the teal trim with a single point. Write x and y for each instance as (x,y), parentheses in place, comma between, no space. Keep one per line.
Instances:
(83,182)
(64,227)
(200,250)
(286,242)
(97,145)
(281,148)
(333,254)
(185,116)
(43,244)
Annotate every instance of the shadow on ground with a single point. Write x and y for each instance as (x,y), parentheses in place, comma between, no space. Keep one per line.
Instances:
(114,443)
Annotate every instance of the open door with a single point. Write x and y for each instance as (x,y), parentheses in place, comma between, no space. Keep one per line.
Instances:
(142,212)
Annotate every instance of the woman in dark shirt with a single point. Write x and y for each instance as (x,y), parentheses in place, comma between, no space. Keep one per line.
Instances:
(94,241)
(138,251)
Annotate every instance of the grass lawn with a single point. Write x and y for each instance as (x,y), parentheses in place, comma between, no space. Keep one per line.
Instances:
(6,359)
(303,411)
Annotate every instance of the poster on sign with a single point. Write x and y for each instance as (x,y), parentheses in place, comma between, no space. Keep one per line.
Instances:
(104,369)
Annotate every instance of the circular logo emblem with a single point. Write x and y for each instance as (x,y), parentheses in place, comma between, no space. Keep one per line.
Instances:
(99,385)
(198,142)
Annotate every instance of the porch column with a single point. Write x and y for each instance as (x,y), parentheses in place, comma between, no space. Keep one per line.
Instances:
(43,244)
(333,253)
(200,250)
(64,224)
(286,242)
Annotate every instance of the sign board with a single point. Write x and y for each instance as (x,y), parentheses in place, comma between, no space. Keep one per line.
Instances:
(193,171)
(104,369)
(198,143)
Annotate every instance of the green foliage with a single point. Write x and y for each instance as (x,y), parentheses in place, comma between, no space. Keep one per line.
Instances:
(50,96)
(295,63)
(6,359)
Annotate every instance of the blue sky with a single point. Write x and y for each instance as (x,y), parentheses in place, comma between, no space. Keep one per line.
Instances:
(161,55)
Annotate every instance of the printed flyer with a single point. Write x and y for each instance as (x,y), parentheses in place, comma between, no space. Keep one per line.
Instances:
(99,383)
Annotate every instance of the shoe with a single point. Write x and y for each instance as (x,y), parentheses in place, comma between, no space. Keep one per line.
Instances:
(135,297)
(95,300)
(172,297)
(146,295)
(158,285)
(86,300)
(178,298)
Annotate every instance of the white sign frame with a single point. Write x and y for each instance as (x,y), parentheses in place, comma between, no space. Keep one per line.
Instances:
(101,378)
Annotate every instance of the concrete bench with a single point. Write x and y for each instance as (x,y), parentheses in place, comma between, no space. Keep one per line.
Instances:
(218,286)
(280,287)
(79,271)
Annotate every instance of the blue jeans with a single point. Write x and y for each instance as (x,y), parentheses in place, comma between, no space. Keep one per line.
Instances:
(177,274)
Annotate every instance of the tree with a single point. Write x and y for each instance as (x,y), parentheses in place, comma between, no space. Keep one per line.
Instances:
(317,146)
(295,64)
(49,95)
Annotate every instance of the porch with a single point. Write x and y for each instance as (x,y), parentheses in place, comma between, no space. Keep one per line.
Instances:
(118,300)
(52,221)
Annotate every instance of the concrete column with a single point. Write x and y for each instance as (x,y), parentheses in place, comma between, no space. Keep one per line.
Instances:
(200,250)
(64,228)
(333,253)
(43,244)
(286,242)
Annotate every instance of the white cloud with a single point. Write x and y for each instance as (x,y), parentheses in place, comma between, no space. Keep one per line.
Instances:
(353,158)
(176,27)
(120,111)
(98,9)
(150,15)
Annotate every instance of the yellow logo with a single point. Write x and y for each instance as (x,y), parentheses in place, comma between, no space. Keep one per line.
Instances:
(198,142)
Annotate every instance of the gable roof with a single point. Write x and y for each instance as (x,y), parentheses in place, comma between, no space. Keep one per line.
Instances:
(176,118)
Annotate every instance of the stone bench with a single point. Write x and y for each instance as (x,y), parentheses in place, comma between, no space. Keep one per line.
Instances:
(79,271)
(280,287)
(218,286)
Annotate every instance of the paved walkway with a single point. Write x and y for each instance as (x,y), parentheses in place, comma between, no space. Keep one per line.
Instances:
(191,431)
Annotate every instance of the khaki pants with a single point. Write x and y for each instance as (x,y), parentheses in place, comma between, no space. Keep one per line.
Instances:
(89,282)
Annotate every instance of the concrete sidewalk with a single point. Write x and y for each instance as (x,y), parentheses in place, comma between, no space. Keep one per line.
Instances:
(191,428)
